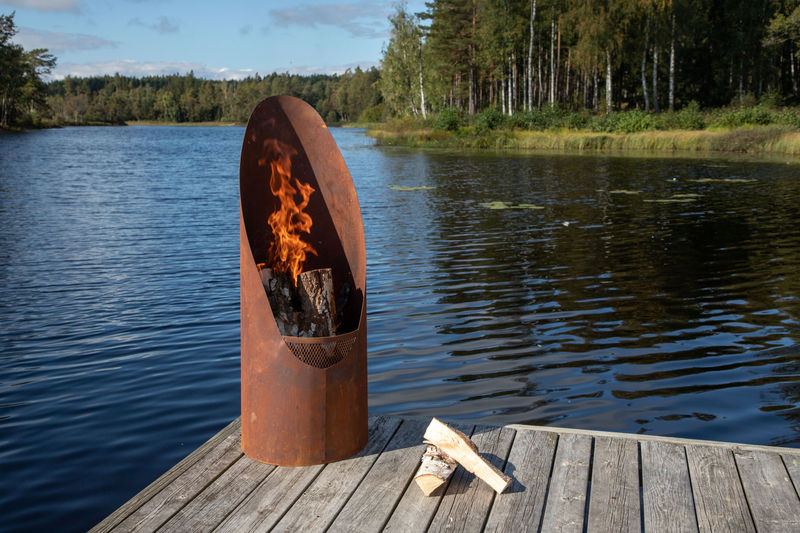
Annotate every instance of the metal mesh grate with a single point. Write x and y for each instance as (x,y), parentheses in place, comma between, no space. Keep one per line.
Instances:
(321,352)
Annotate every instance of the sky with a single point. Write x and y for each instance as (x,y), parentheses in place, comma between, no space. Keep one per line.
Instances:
(227,39)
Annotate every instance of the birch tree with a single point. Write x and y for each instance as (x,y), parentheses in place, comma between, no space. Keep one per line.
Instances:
(529,66)
(401,78)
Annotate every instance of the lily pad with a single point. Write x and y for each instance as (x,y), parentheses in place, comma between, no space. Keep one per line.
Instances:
(620,191)
(505,205)
(723,180)
(403,188)
(673,200)
(687,195)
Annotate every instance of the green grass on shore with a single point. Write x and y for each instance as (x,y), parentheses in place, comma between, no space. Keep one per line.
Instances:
(749,139)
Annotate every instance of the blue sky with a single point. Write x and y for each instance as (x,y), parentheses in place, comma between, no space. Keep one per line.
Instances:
(217,40)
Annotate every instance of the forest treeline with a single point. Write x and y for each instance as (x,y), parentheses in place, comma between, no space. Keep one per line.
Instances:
(597,55)
(186,98)
(593,57)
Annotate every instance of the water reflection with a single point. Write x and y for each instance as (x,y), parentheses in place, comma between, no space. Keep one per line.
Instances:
(638,281)
(639,295)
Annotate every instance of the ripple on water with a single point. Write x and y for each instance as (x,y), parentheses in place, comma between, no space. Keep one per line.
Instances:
(600,308)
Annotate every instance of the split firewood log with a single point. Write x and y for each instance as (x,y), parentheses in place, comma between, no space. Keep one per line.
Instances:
(459,447)
(435,469)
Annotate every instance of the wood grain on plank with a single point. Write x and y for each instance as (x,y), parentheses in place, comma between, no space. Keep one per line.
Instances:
(792,463)
(529,463)
(165,479)
(268,502)
(318,506)
(375,498)
(718,495)
(174,496)
(566,498)
(668,504)
(223,495)
(468,499)
(770,492)
(415,511)
(614,497)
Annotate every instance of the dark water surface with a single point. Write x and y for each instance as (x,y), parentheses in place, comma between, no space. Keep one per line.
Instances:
(647,295)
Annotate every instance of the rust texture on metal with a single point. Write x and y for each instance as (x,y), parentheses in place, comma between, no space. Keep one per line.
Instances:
(304,401)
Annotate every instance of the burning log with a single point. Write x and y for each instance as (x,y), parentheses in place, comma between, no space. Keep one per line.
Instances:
(318,301)
(308,310)
(455,446)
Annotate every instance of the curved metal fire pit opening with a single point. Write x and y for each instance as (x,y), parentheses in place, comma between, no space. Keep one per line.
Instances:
(304,400)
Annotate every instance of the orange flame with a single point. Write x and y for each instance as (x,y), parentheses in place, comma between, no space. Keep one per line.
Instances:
(287,252)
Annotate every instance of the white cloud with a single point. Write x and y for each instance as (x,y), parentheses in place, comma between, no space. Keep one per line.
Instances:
(162,26)
(165,68)
(338,69)
(57,42)
(127,67)
(69,6)
(361,19)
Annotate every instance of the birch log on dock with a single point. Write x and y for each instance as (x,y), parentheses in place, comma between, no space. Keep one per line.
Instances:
(435,469)
(460,448)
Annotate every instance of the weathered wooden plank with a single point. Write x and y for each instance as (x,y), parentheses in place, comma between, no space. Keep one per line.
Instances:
(174,496)
(667,501)
(268,502)
(415,510)
(566,498)
(614,497)
(165,479)
(529,463)
(375,498)
(718,495)
(216,501)
(468,499)
(658,438)
(318,506)
(792,463)
(770,493)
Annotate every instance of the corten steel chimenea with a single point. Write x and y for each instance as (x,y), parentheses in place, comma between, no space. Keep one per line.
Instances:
(304,400)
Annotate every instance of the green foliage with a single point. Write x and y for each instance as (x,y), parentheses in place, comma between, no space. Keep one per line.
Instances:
(487,120)
(742,116)
(688,118)
(373,114)
(448,119)
(22,92)
(788,117)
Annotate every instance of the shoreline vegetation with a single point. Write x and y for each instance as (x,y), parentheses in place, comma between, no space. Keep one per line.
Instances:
(758,129)
(746,140)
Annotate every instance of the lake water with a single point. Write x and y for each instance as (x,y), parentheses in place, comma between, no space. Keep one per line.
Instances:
(645,295)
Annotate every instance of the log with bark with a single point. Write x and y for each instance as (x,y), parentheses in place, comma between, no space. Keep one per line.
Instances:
(435,469)
(307,310)
(450,445)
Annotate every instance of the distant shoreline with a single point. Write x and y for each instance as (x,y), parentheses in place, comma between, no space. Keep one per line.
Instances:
(187,124)
(772,140)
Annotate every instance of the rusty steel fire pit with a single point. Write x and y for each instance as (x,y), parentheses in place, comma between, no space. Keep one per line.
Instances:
(304,399)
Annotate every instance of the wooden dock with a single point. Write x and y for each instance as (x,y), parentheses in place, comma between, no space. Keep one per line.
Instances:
(564,480)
